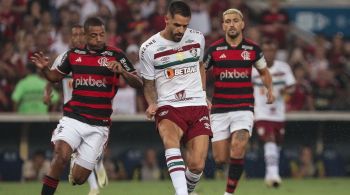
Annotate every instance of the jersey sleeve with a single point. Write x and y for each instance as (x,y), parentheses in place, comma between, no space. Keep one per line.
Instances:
(260,62)
(208,59)
(64,66)
(57,61)
(290,79)
(125,62)
(147,68)
(202,46)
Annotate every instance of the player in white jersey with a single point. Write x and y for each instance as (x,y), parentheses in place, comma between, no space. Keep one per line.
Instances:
(269,118)
(98,177)
(174,87)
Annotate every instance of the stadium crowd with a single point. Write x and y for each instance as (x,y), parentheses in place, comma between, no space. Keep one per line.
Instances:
(321,66)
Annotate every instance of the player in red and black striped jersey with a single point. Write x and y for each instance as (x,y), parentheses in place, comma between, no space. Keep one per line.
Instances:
(232,59)
(84,127)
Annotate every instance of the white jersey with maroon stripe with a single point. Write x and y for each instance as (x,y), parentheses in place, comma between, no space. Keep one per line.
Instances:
(282,77)
(67,81)
(175,68)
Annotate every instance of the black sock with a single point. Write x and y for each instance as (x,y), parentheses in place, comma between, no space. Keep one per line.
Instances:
(49,185)
(234,173)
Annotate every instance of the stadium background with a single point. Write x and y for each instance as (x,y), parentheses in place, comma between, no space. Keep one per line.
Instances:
(316,45)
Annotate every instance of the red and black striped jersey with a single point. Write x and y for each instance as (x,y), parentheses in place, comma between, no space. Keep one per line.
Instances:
(94,85)
(232,68)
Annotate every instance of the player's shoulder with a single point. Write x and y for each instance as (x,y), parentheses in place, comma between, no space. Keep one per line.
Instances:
(217,45)
(148,46)
(113,49)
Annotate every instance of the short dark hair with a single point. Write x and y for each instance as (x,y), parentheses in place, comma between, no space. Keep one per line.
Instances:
(179,7)
(92,21)
(76,26)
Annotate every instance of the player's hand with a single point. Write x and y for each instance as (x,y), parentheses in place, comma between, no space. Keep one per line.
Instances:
(40,60)
(209,105)
(270,97)
(151,111)
(115,66)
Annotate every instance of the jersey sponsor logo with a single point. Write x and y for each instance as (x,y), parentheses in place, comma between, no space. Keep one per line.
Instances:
(90,82)
(103,61)
(245,55)
(234,75)
(222,56)
(170,73)
(247,47)
(163,113)
(125,65)
(165,59)
(221,48)
(107,53)
(143,49)
(78,59)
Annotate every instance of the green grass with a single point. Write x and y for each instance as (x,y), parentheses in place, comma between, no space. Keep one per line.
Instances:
(339,186)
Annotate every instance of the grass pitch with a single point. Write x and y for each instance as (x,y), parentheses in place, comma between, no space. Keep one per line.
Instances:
(338,186)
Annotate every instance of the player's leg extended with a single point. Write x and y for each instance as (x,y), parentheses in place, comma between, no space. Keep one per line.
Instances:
(101,174)
(61,156)
(94,189)
(196,154)
(239,141)
(171,135)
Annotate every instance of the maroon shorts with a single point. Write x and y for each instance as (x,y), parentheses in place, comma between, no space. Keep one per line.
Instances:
(193,120)
(268,129)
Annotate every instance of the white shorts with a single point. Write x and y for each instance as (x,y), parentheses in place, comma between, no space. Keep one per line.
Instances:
(224,124)
(88,140)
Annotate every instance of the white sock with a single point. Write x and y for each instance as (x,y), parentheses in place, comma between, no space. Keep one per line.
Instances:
(92,181)
(226,193)
(192,180)
(271,154)
(176,168)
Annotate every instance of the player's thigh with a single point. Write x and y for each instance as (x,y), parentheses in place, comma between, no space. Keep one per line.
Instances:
(66,136)
(170,133)
(241,120)
(220,124)
(197,150)
(91,149)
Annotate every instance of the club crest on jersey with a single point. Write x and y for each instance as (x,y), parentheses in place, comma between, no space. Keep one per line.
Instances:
(245,55)
(193,52)
(103,61)
(170,73)
(180,95)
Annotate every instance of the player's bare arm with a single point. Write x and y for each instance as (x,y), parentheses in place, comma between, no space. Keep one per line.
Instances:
(131,77)
(150,93)
(204,79)
(42,63)
(267,80)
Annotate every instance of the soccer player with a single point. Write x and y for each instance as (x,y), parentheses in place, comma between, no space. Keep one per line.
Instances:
(232,59)
(174,87)
(98,177)
(84,128)
(269,118)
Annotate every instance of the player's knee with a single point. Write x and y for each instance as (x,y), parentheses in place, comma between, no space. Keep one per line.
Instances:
(61,158)
(196,166)
(79,179)
(238,150)
(220,159)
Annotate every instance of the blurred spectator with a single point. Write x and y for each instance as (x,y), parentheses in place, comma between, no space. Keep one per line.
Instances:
(35,168)
(156,19)
(336,53)
(113,38)
(150,170)
(318,63)
(148,7)
(274,24)
(114,170)
(8,20)
(200,19)
(28,93)
(301,98)
(306,166)
(324,90)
